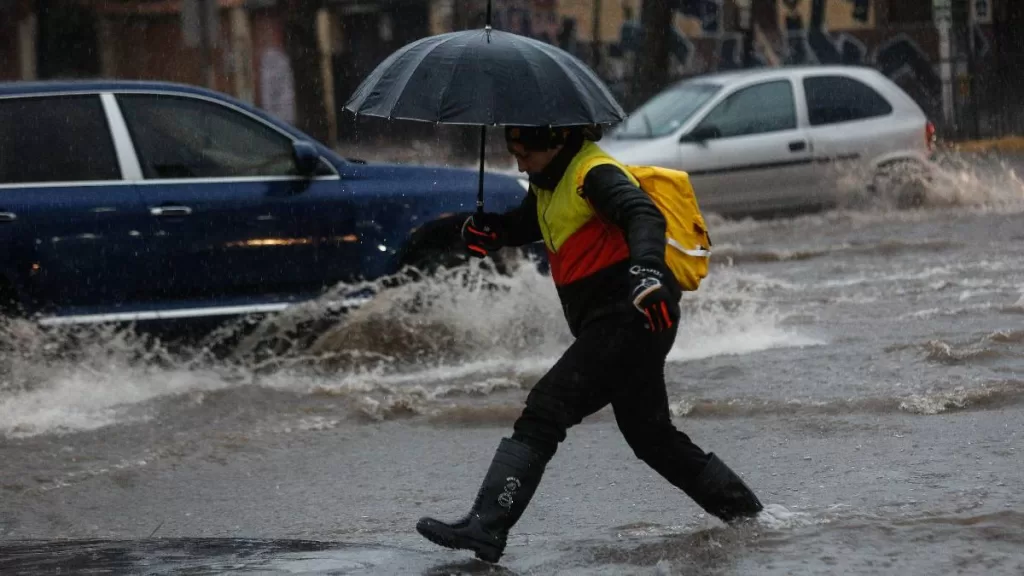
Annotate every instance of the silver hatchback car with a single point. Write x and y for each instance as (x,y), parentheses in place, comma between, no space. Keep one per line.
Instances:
(780,140)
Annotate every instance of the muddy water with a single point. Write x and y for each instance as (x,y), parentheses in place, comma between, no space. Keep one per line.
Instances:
(863,369)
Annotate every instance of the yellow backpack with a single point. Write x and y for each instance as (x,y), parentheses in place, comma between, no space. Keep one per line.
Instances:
(687,243)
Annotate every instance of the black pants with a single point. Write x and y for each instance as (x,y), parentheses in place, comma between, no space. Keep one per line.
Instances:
(616,360)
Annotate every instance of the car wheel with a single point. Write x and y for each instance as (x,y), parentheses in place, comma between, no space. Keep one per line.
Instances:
(429,261)
(9,304)
(438,245)
(904,184)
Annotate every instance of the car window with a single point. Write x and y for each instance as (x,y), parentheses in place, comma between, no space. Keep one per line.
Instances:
(835,99)
(758,109)
(180,137)
(667,111)
(55,139)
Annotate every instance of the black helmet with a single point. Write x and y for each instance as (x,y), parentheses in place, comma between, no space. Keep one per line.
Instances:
(542,138)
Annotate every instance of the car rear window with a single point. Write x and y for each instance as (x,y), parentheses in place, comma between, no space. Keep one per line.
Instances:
(836,99)
(55,139)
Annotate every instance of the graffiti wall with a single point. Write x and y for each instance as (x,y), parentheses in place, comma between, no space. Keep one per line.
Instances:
(845,32)
(696,28)
(848,32)
(894,36)
(535,18)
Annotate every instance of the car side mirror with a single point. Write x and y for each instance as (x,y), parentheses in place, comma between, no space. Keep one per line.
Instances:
(307,157)
(702,134)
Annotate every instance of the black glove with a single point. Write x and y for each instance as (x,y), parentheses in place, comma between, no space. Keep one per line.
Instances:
(652,297)
(483,233)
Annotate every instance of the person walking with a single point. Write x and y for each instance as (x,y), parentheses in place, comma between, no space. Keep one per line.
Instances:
(605,240)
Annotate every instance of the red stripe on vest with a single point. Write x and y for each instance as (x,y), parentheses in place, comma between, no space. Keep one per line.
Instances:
(593,247)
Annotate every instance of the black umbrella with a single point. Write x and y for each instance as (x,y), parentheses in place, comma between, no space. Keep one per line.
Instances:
(485,78)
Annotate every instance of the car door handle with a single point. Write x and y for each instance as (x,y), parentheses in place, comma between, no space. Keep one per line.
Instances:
(8,217)
(170,211)
(798,146)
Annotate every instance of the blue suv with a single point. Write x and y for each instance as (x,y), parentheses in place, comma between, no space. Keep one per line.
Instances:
(126,201)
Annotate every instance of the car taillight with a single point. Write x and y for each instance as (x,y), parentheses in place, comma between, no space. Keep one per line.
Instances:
(929,135)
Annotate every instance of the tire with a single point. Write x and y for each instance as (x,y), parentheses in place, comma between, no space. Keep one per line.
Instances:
(10,305)
(429,261)
(438,245)
(904,184)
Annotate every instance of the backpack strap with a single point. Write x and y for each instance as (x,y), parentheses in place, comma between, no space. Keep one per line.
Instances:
(586,167)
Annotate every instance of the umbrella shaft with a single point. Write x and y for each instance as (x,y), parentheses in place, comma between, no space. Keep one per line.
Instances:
(480,189)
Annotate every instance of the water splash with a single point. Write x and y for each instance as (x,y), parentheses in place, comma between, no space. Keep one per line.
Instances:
(953,180)
(415,348)
(778,517)
(992,395)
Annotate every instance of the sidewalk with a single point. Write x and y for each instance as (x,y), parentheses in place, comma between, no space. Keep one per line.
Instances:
(1002,145)
(1007,152)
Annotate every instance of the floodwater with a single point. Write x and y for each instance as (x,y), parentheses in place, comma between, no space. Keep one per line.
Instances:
(862,369)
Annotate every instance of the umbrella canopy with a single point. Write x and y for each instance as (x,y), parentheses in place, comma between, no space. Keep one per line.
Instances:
(485,78)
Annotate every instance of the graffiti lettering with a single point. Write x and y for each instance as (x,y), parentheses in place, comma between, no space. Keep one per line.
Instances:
(803,36)
(899,57)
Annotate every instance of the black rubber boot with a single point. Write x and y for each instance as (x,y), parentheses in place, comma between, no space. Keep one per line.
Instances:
(719,491)
(510,482)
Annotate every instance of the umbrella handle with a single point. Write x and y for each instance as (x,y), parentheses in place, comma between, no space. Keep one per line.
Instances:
(480,189)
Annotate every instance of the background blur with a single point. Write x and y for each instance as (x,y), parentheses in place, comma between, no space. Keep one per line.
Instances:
(301,59)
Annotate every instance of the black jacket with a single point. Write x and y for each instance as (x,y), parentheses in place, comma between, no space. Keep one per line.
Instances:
(616,200)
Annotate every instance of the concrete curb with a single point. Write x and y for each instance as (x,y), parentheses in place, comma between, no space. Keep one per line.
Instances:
(1005,144)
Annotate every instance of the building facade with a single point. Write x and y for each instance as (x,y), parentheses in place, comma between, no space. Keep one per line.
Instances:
(238,46)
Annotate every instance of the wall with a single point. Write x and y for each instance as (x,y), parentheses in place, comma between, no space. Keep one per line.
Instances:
(10,65)
(698,35)
(148,44)
(272,71)
(144,40)
(846,32)
(704,37)
(18,27)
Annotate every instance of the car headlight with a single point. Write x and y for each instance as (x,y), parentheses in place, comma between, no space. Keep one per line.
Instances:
(524,183)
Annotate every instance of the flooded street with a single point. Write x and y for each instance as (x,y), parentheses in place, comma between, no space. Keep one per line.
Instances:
(862,369)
